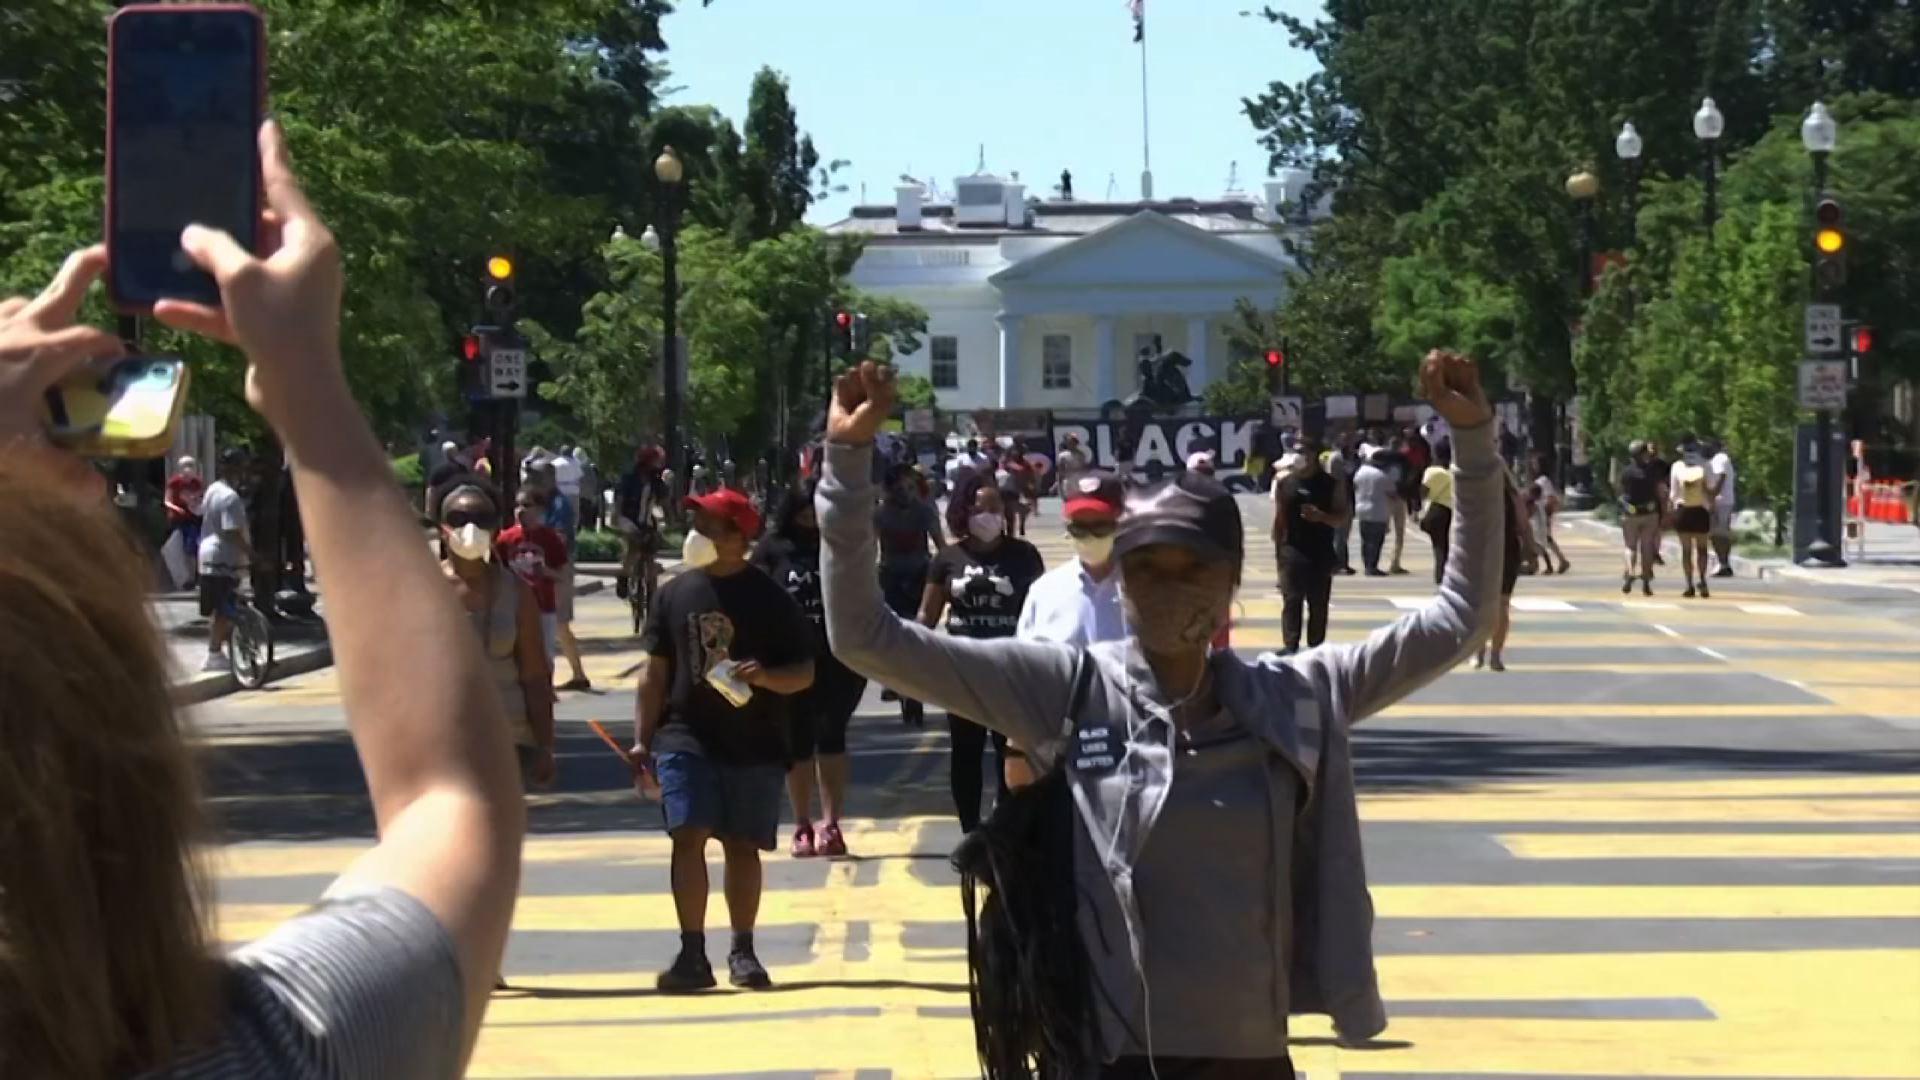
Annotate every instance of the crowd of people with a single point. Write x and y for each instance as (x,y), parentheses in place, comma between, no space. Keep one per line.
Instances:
(1175,835)
(1694,495)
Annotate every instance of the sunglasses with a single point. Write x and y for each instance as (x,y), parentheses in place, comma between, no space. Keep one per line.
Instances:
(1095,531)
(460,519)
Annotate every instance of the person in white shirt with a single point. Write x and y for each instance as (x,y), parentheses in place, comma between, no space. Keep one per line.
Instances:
(1373,508)
(566,474)
(1720,471)
(1543,499)
(1691,488)
(1078,603)
(226,550)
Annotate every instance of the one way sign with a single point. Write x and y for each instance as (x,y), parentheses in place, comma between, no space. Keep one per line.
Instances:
(1823,329)
(507,373)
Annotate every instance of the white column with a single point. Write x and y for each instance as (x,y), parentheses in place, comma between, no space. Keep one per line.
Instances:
(1197,375)
(1009,359)
(1103,371)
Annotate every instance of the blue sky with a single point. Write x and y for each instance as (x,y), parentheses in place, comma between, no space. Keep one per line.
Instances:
(916,86)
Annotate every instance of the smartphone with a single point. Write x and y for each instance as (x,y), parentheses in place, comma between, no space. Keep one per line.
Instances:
(129,409)
(186,89)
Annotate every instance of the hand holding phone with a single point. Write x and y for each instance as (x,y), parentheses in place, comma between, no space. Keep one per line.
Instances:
(40,346)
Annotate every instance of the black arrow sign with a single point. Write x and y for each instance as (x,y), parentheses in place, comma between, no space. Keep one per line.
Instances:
(508,386)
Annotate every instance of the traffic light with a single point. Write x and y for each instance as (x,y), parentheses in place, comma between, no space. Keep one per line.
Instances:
(861,338)
(502,297)
(841,330)
(1862,343)
(1859,349)
(1277,370)
(471,349)
(1829,245)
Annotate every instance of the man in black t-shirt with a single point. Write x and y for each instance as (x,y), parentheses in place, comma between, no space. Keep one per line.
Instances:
(725,645)
(1309,511)
(1643,495)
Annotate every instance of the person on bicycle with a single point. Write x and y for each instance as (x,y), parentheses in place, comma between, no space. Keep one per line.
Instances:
(226,547)
(641,504)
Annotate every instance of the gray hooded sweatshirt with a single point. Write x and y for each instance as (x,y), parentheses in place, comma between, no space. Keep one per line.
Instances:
(1119,749)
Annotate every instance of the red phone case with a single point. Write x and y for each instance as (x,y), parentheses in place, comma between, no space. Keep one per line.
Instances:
(251,241)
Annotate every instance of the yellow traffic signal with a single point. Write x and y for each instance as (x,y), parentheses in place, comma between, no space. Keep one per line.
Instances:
(1830,241)
(500,268)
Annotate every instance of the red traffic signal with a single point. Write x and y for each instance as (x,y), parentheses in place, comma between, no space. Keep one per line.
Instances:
(470,347)
(1276,358)
(1862,340)
(843,319)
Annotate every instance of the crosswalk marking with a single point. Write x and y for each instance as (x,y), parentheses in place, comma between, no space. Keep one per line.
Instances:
(1650,845)
(1409,603)
(1541,603)
(1768,609)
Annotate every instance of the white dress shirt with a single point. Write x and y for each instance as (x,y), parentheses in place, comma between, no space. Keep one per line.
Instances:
(1066,605)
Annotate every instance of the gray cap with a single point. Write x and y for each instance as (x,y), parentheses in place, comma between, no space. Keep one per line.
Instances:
(1190,510)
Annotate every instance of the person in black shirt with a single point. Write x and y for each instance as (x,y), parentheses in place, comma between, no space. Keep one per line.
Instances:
(980,584)
(641,493)
(1643,494)
(725,648)
(1309,510)
(817,716)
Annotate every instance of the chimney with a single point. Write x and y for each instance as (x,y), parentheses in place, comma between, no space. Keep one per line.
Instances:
(906,206)
(1276,191)
(1015,194)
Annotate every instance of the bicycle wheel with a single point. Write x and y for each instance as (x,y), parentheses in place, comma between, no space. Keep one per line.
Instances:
(251,647)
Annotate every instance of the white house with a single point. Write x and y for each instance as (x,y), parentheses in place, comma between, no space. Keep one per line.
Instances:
(1046,304)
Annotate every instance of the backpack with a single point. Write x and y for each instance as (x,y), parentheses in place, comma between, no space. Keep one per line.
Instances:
(1029,979)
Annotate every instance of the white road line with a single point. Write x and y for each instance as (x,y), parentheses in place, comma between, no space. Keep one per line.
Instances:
(1768,609)
(1409,603)
(1722,657)
(1540,603)
(1649,605)
(1667,630)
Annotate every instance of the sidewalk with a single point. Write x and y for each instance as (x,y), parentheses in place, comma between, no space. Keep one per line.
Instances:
(1892,559)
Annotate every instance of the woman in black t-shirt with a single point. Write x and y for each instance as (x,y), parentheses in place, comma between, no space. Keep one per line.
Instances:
(817,716)
(979,583)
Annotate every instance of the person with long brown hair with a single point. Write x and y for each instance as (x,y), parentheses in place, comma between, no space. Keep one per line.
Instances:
(106,965)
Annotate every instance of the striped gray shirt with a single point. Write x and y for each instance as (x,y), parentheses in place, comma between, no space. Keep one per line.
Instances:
(363,986)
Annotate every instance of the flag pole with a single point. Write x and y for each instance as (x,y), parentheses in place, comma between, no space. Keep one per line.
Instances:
(1146,142)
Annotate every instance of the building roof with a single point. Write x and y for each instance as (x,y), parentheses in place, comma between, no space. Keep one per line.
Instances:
(1054,217)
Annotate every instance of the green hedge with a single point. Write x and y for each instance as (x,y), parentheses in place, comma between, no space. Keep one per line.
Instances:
(603,545)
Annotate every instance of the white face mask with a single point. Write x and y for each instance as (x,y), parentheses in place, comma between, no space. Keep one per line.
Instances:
(698,552)
(986,527)
(1094,550)
(470,542)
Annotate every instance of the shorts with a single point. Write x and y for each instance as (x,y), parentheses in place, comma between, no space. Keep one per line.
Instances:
(216,593)
(817,716)
(733,802)
(563,596)
(1693,521)
(1722,519)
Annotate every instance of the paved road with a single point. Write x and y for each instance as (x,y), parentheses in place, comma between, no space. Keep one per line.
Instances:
(1676,839)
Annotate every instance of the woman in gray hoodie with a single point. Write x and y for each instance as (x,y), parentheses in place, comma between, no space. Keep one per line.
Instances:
(1216,856)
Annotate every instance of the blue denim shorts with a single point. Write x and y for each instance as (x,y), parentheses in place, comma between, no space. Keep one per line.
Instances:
(733,802)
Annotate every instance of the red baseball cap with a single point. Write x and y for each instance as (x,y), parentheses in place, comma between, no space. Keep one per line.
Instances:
(730,504)
(1095,494)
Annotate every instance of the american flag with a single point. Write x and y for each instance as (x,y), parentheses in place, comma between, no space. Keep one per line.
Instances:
(1138,8)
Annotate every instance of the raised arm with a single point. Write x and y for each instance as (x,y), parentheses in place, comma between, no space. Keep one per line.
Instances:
(1403,656)
(1018,688)
(426,720)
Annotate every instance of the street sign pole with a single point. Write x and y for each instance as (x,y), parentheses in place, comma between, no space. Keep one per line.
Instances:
(1823,325)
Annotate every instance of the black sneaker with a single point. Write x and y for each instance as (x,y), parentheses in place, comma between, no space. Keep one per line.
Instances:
(1704,594)
(745,970)
(690,972)
(620,587)
(1626,586)
(1725,571)
(1646,587)
(1689,593)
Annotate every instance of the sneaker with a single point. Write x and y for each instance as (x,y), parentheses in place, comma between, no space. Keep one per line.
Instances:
(888,695)
(1646,587)
(1689,593)
(1401,570)
(803,842)
(689,972)
(831,844)
(1725,571)
(1376,573)
(1704,594)
(1495,664)
(1479,661)
(745,970)
(1565,566)
(217,662)
(1626,586)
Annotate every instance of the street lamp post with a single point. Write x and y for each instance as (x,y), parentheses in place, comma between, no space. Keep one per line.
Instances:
(670,171)
(1708,125)
(1819,134)
(1627,146)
